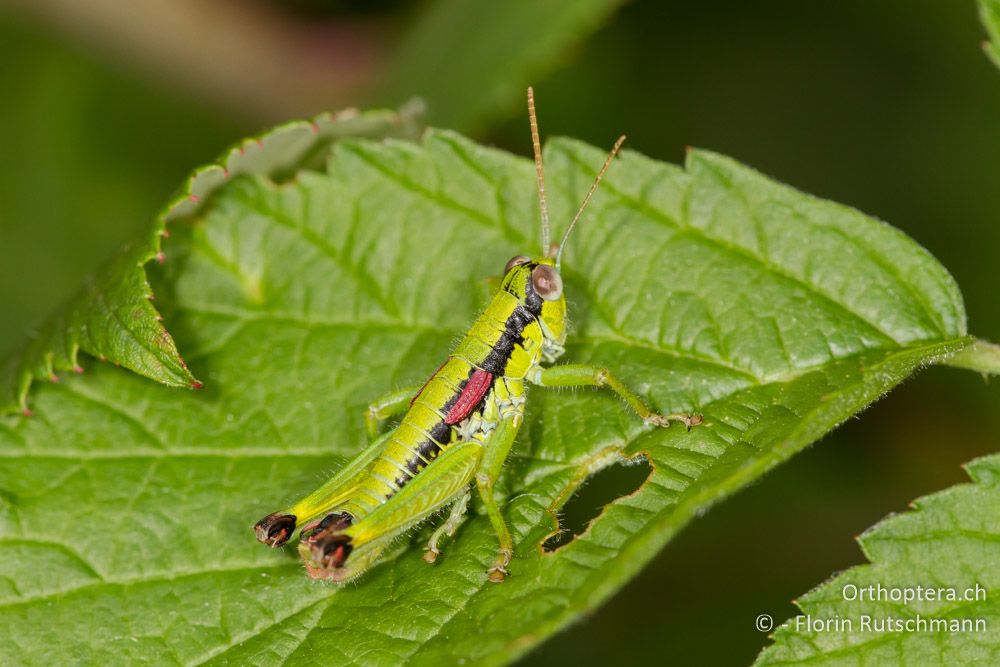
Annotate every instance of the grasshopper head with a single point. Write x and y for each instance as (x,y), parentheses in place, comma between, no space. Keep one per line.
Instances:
(538,287)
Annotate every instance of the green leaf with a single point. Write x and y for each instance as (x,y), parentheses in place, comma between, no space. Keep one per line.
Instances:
(980,356)
(471,60)
(950,540)
(112,317)
(125,506)
(989,11)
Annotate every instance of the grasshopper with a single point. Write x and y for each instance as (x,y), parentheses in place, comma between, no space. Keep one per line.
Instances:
(458,426)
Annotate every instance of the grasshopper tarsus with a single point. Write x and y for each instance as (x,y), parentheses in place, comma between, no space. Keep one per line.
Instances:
(498,573)
(689,421)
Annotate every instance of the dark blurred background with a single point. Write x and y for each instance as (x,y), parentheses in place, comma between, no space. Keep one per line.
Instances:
(890,107)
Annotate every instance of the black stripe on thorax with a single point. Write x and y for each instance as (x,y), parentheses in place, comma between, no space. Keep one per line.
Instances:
(496,361)
(495,364)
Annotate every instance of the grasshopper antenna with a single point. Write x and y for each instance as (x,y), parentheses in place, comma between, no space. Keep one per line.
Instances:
(539,170)
(586,200)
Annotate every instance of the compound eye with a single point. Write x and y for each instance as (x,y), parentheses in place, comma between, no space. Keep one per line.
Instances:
(547,282)
(515,261)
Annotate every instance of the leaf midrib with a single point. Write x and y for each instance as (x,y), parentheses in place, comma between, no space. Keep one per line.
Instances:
(127,582)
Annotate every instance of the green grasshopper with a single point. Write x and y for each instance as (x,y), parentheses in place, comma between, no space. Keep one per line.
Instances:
(458,426)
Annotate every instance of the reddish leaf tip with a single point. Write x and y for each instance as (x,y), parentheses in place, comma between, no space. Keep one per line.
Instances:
(197,385)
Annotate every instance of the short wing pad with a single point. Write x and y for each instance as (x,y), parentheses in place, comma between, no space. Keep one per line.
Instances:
(475,388)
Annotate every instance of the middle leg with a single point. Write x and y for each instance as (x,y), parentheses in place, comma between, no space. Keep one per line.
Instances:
(584,375)
(455,519)
(497,448)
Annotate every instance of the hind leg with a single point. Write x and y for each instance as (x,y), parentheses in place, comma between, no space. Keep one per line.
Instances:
(341,555)
(277,528)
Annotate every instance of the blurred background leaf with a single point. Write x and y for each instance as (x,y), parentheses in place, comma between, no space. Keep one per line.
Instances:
(89,156)
(891,107)
(472,60)
(990,12)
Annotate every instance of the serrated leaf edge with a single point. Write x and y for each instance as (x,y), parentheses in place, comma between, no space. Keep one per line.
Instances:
(27,364)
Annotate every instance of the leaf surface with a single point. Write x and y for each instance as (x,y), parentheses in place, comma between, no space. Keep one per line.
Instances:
(126,506)
(950,540)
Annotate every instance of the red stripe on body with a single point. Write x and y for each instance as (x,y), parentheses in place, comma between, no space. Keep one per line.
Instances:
(472,394)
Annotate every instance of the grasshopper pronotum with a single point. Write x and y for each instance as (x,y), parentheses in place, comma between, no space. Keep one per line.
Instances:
(458,427)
